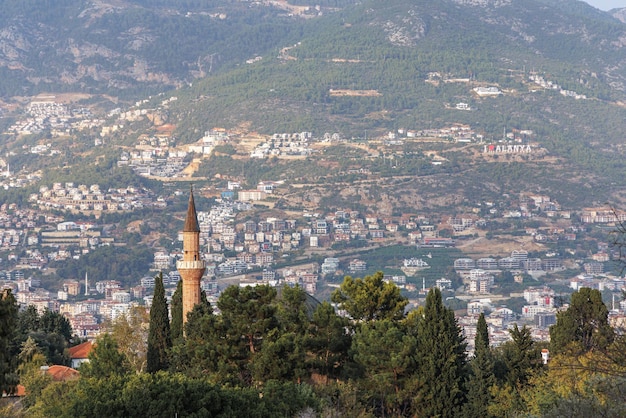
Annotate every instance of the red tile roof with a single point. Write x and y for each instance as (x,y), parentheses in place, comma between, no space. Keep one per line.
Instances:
(20,390)
(62,373)
(80,351)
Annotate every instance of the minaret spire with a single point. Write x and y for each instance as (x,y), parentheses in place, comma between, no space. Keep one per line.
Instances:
(191,267)
(191,220)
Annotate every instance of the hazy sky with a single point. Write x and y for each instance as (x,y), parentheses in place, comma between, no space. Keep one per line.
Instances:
(607,4)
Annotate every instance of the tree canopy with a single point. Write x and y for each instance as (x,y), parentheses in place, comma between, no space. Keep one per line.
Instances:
(584,323)
(370,298)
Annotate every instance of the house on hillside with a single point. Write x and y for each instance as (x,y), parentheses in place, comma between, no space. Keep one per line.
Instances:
(79,354)
(61,373)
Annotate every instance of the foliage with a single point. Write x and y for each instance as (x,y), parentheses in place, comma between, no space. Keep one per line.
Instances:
(283,358)
(516,362)
(105,359)
(327,341)
(176,324)
(440,358)
(249,321)
(384,352)
(31,375)
(584,323)
(159,336)
(592,378)
(8,324)
(51,331)
(370,298)
(269,354)
(166,395)
(481,379)
(130,332)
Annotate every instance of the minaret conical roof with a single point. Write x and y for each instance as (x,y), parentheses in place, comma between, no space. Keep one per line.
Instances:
(191,221)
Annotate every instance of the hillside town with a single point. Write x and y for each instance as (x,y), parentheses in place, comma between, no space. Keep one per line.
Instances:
(313,248)
(252,252)
(253,249)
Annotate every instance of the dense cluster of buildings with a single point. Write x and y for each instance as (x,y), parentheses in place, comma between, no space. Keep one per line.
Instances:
(90,199)
(32,237)
(47,114)
(284,144)
(550,85)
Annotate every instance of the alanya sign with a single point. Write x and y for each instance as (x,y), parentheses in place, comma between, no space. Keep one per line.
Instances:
(507,149)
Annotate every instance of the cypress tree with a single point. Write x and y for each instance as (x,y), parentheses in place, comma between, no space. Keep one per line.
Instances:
(482,377)
(159,337)
(177,312)
(8,324)
(441,361)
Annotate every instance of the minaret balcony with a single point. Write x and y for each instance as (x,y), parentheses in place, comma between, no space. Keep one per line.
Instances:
(190,265)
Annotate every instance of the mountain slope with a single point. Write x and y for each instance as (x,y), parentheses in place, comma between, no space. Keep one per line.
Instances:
(391,48)
(402,64)
(111,46)
(114,45)
(359,68)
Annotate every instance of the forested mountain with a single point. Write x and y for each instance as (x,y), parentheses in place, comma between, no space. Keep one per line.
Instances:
(104,46)
(347,66)
(391,48)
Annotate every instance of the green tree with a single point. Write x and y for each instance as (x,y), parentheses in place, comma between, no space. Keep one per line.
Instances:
(8,325)
(283,353)
(52,332)
(384,351)
(177,312)
(481,379)
(130,332)
(248,321)
(522,356)
(105,359)
(198,353)
(27,321)
(31,361)
(441,361)
(54,322)
(370,298)
(249,313)
(159,337)
(328,342)
(584,323)
(516,361)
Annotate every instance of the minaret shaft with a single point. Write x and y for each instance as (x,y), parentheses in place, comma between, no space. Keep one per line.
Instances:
(191,267)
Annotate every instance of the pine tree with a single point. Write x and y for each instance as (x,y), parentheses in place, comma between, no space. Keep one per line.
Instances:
(328,342)
(584,325)
(159,337)
(370,298)
(249,321)
(177,312)
(441,362)
(384,352)
(482,378)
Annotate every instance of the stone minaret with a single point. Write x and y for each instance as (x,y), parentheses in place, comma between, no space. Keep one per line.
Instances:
(191,267)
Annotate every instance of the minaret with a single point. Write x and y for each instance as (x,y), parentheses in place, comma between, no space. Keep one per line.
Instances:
(86,284)
(191,267)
